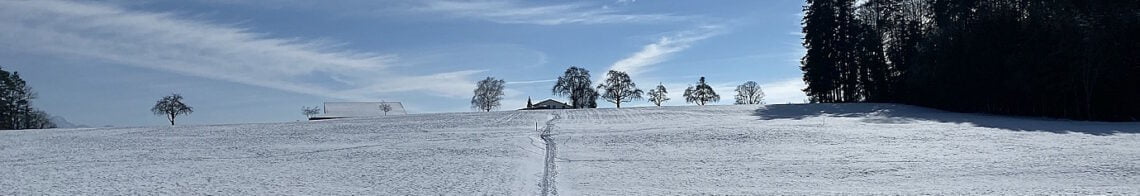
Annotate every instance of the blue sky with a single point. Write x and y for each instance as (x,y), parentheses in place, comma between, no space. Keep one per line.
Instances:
(106,62)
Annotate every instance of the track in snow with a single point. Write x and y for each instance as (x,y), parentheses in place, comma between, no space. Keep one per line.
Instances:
(548,171)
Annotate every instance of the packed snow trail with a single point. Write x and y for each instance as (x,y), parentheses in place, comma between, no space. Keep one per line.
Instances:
(549,171)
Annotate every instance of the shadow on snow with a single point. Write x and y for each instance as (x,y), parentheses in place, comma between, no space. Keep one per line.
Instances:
(905,114)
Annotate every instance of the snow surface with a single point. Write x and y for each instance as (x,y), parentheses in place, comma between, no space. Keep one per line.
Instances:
(495,153)
(778,149)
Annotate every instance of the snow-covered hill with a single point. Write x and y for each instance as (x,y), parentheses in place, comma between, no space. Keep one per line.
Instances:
(779,149)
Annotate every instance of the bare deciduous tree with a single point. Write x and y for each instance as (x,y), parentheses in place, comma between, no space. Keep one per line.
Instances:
(41,120)
(701,94)
(385,107)
(619,88)
(576,84)
(659,95)
(171,106)
(488,93)
(309,112)
(749,93)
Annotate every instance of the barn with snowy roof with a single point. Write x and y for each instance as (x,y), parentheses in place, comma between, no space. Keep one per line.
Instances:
(334,110)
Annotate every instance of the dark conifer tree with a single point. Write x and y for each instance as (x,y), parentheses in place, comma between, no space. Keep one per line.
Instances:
(820,63)
(16,111)
(1059,58)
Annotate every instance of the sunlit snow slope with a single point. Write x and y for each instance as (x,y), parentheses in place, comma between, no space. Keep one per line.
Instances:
(778,149)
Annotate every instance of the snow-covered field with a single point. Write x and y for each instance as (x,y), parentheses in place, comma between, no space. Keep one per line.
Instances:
(493,153)
(779,149)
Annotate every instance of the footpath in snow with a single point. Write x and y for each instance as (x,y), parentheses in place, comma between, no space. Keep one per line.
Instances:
(549,170)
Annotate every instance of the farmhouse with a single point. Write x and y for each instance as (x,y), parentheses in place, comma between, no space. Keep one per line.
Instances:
(334,110)
(546,104)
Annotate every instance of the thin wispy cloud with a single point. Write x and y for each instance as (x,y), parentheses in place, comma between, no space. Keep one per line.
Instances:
(497,11)
(532,81)
(664,48)
(166,42)
(519,12)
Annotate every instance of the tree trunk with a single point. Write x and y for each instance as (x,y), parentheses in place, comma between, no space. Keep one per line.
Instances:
(618,100)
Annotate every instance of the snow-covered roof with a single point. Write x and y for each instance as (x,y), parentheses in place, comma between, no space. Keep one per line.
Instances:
(548,104)
(551,102)
(360,109)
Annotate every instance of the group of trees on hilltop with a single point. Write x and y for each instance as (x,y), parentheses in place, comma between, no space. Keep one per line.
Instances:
(1059,58)
(16,111)
(617,88)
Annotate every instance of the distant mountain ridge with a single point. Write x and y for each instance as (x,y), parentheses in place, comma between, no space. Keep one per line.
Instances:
(61,122)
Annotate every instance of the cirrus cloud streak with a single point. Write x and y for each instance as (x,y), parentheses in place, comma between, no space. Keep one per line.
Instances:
(167,42)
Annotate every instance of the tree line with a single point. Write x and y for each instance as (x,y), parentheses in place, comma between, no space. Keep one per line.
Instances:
(1057,58)
(617,88)
(16,111)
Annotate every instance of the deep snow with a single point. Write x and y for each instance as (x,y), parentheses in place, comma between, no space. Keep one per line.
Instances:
(779,149)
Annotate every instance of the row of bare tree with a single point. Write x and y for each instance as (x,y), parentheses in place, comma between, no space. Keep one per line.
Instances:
(617,88)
